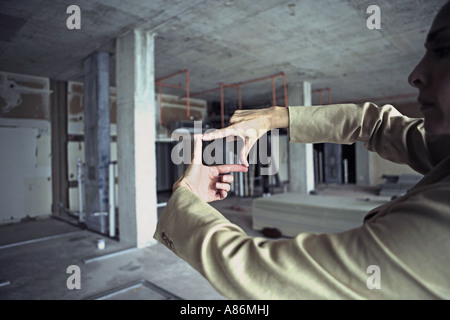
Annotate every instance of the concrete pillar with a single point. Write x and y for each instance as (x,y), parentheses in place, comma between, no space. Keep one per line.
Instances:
(96,140)
(60,184)
(362,161)
(301,155)
(136,158)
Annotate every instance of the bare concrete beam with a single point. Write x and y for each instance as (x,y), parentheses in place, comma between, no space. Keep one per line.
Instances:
(96,140)
(301,159)
(136,158)
(60,185)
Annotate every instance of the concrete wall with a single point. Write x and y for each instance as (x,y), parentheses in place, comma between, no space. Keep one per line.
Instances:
(25,141)
(25,147)
(75,128)
(173,108)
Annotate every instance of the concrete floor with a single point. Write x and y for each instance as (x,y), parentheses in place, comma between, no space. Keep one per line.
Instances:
(35,254)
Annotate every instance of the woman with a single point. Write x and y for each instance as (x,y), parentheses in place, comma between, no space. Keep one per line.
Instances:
(407,239)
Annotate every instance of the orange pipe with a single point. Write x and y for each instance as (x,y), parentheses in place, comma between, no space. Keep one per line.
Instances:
(159,100)
(286,103)
(239,84)
(320,94)
(222,115)
(171,75)
(204,92)
(239,96)
(170,85)
(160,84)
(259,79)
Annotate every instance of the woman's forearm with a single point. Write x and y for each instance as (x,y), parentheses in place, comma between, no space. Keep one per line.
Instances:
(279,117)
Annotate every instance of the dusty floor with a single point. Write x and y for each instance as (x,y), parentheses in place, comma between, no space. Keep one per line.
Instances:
(35,255)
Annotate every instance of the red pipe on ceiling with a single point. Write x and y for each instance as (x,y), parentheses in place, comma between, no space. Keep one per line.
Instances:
(320,94)
(160,84)
(238,86)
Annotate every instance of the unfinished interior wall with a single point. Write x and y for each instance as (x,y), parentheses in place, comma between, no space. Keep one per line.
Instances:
(173,108)
(25,146)
(75,128)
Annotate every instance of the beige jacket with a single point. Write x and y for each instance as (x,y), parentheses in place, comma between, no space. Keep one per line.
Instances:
(407,239)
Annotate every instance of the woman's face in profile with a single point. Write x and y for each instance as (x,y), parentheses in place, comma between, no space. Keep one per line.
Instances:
(432,76)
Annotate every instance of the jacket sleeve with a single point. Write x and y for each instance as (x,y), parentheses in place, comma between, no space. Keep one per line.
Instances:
(309,266)
(327,266)
(384,130)
(240,266)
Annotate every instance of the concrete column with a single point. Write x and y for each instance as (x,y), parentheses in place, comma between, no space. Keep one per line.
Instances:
(96,140)
(301,156)
(60,184)
(136,158)
(362,161)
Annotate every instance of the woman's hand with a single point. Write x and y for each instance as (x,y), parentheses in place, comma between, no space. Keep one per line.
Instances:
(210,183)
(250,125)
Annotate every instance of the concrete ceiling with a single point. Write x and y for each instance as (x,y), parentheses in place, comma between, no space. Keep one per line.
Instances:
(325,42)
